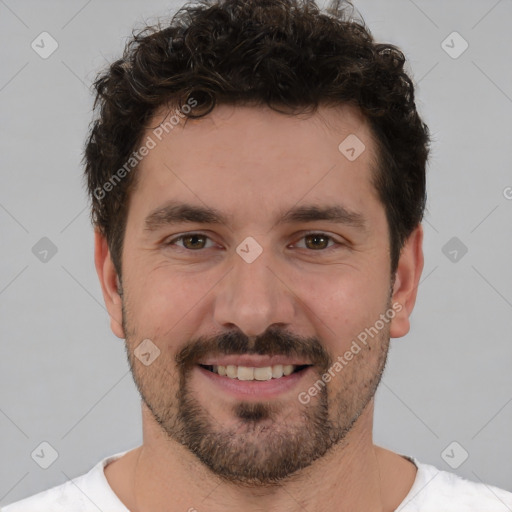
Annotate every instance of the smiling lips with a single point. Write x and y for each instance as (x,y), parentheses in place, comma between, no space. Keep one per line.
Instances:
(249,368)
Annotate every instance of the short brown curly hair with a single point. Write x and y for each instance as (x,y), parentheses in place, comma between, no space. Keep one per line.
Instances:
(286,54)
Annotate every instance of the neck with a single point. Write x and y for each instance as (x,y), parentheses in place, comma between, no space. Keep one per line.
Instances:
(167,477)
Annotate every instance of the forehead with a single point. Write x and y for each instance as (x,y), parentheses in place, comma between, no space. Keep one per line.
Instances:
(250,158)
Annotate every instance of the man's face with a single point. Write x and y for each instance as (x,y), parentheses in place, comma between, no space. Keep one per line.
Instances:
(210,298)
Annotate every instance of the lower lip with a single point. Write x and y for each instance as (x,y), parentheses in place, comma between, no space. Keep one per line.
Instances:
(260,389)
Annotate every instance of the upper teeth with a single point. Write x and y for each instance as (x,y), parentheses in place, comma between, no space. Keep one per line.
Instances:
(251,373)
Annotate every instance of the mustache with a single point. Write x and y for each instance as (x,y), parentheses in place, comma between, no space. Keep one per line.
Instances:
(272,342)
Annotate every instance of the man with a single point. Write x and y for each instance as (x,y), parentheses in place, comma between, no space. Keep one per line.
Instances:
(257,177)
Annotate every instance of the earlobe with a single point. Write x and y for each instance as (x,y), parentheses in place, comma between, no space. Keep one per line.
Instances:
(408,273)
(110,284)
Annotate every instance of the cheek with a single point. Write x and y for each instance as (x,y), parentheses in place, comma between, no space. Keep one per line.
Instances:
(161,298)
(343,305)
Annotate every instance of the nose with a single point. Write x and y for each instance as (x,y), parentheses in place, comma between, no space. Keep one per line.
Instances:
(254,296)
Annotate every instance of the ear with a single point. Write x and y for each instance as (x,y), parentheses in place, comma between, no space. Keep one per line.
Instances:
(109,283)
(408,273)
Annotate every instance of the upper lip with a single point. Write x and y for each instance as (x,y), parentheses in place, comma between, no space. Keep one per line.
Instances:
(253,360)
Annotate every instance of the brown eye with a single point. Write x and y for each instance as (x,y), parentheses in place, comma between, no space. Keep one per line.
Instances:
(317,241)
(191,241)
(194,241)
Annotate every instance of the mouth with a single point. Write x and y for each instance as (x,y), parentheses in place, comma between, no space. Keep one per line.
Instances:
(251,373)
(254,382)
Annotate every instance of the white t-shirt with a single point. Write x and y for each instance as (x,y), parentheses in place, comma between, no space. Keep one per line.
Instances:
(433,491)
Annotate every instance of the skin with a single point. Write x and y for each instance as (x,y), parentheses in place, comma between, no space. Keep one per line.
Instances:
(251,163)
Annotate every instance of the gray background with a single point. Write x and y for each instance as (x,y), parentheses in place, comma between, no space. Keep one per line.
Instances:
(63,374)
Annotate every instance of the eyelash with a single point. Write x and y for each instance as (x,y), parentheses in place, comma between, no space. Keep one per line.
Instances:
(185,235)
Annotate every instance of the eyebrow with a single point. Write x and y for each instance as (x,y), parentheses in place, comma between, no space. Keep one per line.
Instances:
(176,212)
